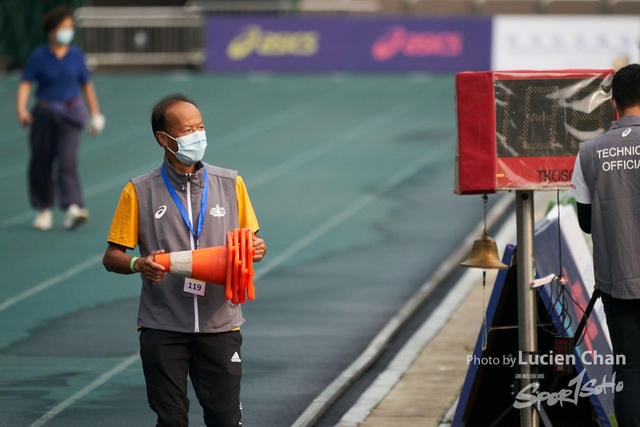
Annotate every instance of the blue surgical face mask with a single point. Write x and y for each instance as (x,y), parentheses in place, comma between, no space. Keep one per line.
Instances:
(190,147)
(64,35)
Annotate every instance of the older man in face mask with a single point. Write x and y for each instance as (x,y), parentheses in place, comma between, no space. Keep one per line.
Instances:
(184,204)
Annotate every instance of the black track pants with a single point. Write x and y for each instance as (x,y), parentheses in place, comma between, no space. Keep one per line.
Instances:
(54,140)
(623,319)
(212,361)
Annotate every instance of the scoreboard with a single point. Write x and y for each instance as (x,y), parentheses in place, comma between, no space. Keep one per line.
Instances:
(520,130)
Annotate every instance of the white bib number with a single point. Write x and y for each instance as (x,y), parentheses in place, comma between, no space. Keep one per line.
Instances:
(194,287)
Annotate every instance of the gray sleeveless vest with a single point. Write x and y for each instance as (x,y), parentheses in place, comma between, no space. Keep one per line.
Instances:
(163,305)
(611,168)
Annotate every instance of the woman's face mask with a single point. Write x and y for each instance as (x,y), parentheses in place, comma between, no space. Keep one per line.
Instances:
(64,35)
(190,147)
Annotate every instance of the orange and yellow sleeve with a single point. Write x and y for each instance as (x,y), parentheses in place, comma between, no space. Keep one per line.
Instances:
(124,226)
(246,215)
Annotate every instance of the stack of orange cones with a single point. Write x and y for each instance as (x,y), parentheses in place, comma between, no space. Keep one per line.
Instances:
(230,266)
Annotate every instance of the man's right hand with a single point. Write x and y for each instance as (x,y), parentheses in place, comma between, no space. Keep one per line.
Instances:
(149,268)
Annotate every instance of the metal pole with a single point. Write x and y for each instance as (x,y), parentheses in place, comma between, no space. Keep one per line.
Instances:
(527,336)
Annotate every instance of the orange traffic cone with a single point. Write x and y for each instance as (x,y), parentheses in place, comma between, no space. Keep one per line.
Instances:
(230,266)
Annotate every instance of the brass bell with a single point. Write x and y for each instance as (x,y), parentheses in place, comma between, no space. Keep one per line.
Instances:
(484,254)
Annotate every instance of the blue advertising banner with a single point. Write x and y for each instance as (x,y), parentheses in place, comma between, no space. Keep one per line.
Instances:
(348,44)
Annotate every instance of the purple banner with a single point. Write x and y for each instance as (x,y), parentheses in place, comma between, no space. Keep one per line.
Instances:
(348,44)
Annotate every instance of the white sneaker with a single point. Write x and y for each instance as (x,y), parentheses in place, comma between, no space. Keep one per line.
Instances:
(43,219)
(75,216)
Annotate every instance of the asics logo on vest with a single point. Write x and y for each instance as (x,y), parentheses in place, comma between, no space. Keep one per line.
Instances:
(218,212)
(236,358)
(161,210)
(626,132)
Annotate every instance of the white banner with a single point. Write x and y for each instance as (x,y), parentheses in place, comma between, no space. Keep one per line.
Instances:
(564,42)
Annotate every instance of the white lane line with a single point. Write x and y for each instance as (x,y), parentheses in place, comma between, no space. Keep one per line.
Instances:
(409,352)
(352,209)
(379,343)
(385,382)
(274,262)
(256,127)
(92,191)
(350,135)
(401,363)
(117,181)
(51,281)
(243,132)
(395,180)
(86,390)
(307,240)
(228,139)
(17,219)
(246,131)
(308,155)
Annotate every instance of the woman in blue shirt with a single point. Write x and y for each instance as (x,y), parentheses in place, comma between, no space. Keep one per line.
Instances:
(57,119)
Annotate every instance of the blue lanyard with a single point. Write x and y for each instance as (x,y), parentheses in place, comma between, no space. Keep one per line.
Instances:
(183,212)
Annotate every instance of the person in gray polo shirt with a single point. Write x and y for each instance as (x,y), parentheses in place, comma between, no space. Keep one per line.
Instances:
(184,204)
(606,187)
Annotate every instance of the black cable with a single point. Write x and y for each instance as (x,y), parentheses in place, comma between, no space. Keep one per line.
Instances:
(558,294)
(558,297)
(559,233)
